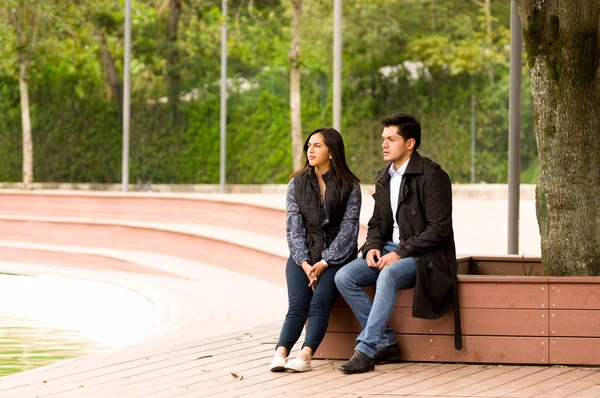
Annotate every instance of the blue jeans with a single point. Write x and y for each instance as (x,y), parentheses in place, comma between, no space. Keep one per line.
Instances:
(305,304)
(375,315)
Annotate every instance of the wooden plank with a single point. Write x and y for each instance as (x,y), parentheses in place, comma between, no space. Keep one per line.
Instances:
(515,258)
(474,321)
(503,292)
(575,323)
(544,375)
(575,293)
(483,374)
(464,264)
(493,267)
(543,388)
(575,351)
(486,292)
(477,349)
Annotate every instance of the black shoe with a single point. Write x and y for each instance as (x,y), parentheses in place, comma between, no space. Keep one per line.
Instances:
(388,354)
(359,363)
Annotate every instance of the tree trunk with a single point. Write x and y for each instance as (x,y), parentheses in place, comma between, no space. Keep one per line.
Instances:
(26,123)
(488,24)
(433,22)
(295,100)
(563,49)
(173,77)
(111,75)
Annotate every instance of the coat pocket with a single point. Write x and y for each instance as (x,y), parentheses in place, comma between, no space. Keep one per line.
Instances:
(437,282)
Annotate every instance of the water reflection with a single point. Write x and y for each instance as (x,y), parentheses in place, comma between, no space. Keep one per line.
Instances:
(46,319)
(25,345)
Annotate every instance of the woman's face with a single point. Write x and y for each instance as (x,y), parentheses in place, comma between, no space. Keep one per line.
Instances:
(317,152)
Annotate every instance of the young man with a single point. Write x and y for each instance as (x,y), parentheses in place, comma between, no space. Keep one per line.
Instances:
(410,243)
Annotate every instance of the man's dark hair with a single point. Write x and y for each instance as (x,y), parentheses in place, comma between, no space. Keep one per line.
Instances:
(408,126)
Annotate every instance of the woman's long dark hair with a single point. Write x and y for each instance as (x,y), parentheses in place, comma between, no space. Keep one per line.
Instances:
(334,141)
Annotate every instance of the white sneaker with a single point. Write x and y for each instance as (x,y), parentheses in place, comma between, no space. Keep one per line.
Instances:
(277,364)
(298,365)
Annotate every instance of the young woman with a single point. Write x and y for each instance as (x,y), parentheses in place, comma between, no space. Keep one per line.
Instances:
(323,208)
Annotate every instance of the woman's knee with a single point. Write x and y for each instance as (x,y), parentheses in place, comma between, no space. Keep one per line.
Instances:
(321,306)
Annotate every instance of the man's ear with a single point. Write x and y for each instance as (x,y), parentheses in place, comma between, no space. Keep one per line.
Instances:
(410,144)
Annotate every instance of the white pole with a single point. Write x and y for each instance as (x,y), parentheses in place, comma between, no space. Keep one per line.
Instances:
(337,65)
(126,97)
(223,92)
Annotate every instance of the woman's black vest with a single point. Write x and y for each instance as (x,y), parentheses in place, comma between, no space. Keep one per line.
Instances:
(308,197)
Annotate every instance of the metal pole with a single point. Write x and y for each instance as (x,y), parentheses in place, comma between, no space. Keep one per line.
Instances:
(337,65)
(126,97)
(514,131)
(223,92)
(472,130)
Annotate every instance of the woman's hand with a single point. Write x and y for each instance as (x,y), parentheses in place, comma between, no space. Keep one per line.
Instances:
(317,270)
(308,269)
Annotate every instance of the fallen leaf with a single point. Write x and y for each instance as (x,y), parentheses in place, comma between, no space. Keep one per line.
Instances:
(597,383)
(45,381)
(242,377)
(205,356)
(235,375)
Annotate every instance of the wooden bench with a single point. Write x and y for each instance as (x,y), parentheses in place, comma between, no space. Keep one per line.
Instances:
(510,314)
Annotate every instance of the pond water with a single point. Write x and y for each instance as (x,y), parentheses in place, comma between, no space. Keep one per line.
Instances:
(44,319)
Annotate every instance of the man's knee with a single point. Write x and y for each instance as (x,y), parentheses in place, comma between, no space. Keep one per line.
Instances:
(341,278)
(402,269)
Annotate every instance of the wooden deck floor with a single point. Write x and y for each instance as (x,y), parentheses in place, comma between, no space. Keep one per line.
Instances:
(179,365)
(236,365)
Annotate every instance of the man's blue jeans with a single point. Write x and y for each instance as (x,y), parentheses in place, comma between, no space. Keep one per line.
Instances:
(375,315)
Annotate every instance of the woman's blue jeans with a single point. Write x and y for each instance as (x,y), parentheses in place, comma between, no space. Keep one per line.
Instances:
(305,304)
(375,315)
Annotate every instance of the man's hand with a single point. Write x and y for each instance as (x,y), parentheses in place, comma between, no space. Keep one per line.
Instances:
(387,260)
(373,256)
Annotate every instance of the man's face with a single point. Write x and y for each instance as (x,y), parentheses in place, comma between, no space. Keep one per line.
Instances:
(395,148)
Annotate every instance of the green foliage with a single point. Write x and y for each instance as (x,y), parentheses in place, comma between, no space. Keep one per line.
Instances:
(409,55)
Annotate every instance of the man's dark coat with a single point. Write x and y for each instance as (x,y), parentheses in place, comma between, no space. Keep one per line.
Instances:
(425,219)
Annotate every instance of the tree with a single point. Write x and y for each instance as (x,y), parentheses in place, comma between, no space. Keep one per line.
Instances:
(172,54)
(295,100)
(562,40)
(25,18)
(103,20)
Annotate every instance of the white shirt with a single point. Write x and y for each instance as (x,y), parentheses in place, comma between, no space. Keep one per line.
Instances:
(395,182)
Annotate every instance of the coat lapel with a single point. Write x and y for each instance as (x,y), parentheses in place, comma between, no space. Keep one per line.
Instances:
(382,193)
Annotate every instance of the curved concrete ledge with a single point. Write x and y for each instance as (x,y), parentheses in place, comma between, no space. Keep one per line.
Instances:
(249,258)
(100,262)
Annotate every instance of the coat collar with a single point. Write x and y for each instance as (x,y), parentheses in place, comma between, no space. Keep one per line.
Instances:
(326,177)
(415,166)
